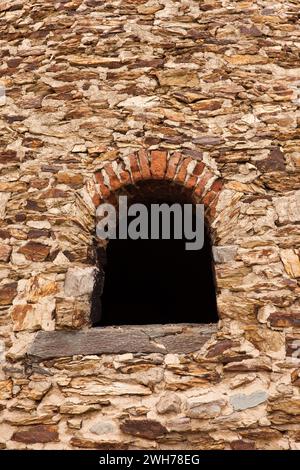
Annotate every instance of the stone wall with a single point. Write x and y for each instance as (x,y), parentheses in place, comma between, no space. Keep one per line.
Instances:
(87,83)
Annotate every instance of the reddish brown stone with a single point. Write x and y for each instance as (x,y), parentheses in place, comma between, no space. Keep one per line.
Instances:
(4,234)
(220,347)
(41,433)
(78,75)
(35,251)
(38,233)
(172,165)
(5,251)
(208,105)
(19,313)
(70,179)
(53,193)
(262,434)
(242,445)
(146,428)
(295,377)
(7,293)
(158,163)
(83,443)
(8,156)
(284,320)
(144,164)
(274,162)
(39,183)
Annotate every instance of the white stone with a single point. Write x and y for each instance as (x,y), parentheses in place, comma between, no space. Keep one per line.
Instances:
(79,148)
(171,359)
(264,313)
(2,95)
(79,281)
(224,254)
(150,377)
(20,346)
(103,427)
(39,224)
(4,197)
(197,407)
(61,259)
(288,208)
(40,316)
(139,102)
(291,262)
(168,402)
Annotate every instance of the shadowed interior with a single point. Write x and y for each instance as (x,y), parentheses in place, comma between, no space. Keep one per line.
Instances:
(156,281)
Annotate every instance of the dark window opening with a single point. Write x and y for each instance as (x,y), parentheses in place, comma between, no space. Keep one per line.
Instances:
(154,282)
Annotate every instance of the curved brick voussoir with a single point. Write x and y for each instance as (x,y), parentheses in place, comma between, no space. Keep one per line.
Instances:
(173,167)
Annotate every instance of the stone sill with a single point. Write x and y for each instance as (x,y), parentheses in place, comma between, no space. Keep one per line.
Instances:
(143,339)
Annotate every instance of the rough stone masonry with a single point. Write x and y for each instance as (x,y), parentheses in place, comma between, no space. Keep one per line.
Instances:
(96,96)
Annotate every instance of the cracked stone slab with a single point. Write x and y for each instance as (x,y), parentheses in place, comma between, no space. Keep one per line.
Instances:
(118,340)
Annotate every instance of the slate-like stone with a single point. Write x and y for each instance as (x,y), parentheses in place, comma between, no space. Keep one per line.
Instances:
(118,340)
(242,401)
(146,428)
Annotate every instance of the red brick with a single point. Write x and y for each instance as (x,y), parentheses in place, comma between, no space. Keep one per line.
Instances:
(114,181)
(199,167)
(182,172)
(217,185)
(103,189)
(96,199)
(212,208)
(144,164)
(134,167)
(158,163)
(199,188)
(191,182)
(193,178)
(112,199)
(124,174)
(172,165)
(209,198)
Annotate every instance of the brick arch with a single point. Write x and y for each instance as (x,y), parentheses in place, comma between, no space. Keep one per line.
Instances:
(185,170)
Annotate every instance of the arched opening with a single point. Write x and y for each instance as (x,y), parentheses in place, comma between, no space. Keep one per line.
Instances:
(155,281)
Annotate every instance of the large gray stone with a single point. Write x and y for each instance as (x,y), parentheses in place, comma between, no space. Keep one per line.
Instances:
(103,427)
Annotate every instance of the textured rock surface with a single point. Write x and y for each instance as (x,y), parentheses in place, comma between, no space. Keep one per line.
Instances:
(94,96)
